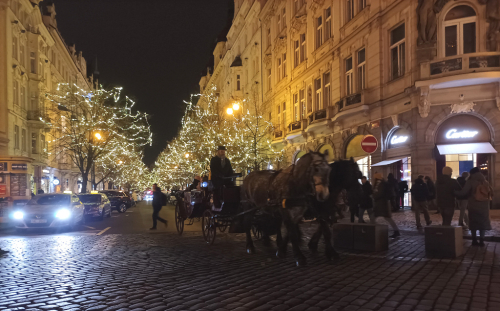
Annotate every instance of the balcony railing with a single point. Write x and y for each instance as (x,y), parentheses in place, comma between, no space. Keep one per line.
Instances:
(278,134)
(467,63)
(318,115)
(349,101)
(35,115)
(297,126)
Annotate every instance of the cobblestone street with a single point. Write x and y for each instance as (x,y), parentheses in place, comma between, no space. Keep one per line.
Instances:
(165,271)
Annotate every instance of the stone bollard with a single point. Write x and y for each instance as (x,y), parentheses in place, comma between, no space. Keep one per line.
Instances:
(362,237)
(444,241)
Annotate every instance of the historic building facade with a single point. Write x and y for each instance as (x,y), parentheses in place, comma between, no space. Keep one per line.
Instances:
(422,77)
(33,59)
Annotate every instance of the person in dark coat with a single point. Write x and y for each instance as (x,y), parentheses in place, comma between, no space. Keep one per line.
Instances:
(220,167)
(196,184)
(431,200)
(158,200)
(381,196)
(463,200)
(419,194)
(445,189)
(479,208)
(393,191)
(366,203)
(403,188)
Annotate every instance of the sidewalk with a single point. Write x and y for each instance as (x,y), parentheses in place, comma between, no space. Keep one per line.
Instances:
(406,221)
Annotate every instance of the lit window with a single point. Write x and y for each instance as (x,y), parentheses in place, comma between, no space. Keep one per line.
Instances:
(302,98)
(348,76)
(361,70)
(398,51)
(460,31)
(296,110)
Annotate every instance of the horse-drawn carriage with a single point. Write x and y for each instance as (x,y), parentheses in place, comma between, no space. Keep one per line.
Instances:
(199,204)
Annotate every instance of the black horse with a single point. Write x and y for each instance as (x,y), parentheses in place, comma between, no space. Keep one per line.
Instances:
(344,174)
(283,194)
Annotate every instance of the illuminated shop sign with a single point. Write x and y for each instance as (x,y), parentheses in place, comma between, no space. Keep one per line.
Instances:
(398,139)
(55,182)
(454,134)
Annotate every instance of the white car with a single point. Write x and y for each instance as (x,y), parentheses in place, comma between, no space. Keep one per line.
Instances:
(49,211)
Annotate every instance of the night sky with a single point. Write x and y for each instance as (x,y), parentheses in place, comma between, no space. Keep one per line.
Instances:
(155,49)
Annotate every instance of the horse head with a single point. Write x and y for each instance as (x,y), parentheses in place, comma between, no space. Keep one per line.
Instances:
(313,169)
(344,174)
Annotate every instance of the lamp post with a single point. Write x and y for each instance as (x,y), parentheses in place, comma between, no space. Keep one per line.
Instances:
(97,136)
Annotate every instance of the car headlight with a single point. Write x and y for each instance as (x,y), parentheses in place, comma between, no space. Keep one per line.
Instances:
(204,184)
(18,215)
(63,214)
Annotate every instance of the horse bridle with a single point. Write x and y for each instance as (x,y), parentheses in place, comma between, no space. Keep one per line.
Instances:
(312,183)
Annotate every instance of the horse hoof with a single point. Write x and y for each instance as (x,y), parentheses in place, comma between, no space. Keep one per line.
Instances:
(280,254)
(250,250)
(300,262)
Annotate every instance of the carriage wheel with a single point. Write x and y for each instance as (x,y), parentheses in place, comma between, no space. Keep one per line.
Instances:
(208,226)
(257,233)
(179,221)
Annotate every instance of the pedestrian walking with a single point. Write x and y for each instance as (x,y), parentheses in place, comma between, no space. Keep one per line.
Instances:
(403,188)
(366,203)
(480,195)
(381,197)
(393,191)
(445,189)
(159,200)
(354,196)
(431,200)
(420,194)
(463,219)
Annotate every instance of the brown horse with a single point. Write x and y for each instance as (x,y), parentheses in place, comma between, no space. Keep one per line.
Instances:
(283,194)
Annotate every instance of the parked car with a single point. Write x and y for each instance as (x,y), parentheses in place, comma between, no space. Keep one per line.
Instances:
(96,205)
(49,211)
(148,195)
(119,200)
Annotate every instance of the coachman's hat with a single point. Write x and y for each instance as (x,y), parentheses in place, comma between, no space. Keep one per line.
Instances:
(222,148)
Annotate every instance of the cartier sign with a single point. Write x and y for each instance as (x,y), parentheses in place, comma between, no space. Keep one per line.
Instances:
(462,129)
(401,137)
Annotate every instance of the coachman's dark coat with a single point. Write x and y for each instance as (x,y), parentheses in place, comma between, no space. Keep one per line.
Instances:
(218,172)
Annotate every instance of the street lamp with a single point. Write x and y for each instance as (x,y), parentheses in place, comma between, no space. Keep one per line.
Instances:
(98,136)
(229,111)
(236,106)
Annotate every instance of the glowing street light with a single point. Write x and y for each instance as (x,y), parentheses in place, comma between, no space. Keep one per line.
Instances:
(186,155)
(229,111)
(236,106)
(98,136)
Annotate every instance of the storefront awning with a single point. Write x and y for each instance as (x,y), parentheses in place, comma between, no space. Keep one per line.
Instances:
(386,162)
(466,148)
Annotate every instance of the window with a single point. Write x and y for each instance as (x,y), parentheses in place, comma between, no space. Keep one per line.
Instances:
(328,23)
(298,5)
(348,76)
(279,23)
(302,98)
(33,143)
(268,34)
(279,68)
(350,11)
(361,70)
(317,88)
(296,108)
(14,47)
(16,137)
(45,146)
(23,97)
(279,116)
(460,31)
(319,31)
(269,79)
(283,18)
(16,92)
(284,115)
(21,55)
(23,139)
(398,52)
(284,65)
(362,5)
(296,55)
(32,62)
(238,83)
(302,47)
(326,89)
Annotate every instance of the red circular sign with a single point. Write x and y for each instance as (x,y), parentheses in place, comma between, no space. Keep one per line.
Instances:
(369,144)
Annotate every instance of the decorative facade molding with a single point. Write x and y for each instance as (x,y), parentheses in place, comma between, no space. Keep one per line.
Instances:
(462,107)
(297,24)
(424,105)
(279,44)
(395,120)
(316,4)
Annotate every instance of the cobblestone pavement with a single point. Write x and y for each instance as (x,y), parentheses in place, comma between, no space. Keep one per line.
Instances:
(164,271)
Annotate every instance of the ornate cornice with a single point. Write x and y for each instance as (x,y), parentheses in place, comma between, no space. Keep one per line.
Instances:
(316,4)
(279,44)
(296,25)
